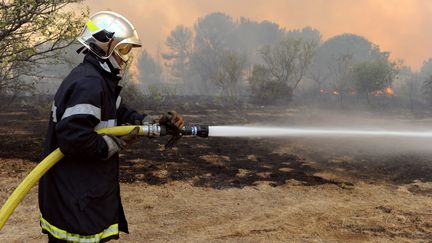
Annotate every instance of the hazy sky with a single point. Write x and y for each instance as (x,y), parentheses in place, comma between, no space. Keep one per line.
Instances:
(403,27)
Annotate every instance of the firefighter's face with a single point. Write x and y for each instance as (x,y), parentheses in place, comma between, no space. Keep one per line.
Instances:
(119,61)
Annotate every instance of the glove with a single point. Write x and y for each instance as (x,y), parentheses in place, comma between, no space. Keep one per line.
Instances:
(172,120)
(117,144)
(173,123)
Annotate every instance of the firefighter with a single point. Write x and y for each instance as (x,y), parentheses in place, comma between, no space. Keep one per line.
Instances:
(79,198)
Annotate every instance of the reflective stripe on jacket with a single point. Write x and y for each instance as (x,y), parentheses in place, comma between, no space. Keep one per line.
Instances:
(60,234)
(81,194)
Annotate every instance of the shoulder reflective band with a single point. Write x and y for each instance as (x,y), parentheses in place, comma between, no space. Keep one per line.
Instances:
(92,26)
(106,124)
(54,112)
(82,109)
(69,237)
(118,102)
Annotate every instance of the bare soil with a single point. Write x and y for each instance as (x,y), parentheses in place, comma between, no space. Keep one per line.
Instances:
(242,190)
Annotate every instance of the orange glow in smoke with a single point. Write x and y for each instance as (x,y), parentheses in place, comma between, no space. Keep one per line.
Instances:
(389,91)
(386,91)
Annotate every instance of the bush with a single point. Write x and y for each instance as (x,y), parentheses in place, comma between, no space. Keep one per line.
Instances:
(160,96)
(267,91)
(132,95)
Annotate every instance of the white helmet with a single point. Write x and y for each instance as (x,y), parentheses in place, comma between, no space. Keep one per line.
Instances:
(107,32)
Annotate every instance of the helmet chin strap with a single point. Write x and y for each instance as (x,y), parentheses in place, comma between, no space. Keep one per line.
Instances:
(110,65)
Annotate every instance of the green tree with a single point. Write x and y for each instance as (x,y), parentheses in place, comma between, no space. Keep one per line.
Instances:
(288,60)
(230,69)
(373,75)
(266,89)
(285,64)
(334,59)
(31,33)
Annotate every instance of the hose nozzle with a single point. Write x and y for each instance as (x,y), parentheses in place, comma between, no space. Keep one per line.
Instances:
(196,130)
(156,130)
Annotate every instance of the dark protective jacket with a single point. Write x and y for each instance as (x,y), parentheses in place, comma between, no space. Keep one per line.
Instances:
(79,197)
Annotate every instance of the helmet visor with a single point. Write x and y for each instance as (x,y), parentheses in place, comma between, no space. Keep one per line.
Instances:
(124,51)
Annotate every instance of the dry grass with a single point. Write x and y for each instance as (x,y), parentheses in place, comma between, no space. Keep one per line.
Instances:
(180,212)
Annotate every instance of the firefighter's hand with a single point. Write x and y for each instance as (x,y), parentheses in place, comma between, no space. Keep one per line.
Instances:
(172,120)
(117,144)
(130,138)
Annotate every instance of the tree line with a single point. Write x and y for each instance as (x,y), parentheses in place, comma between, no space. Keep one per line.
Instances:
(218,55)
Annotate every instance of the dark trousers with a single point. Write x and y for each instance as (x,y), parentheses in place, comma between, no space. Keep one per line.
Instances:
(52,239)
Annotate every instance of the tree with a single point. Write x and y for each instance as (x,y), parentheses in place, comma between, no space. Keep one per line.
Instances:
(341,71)
(31,33)
(230,69)
(265,89)
(178,57)
(149,69)
(427,90)
(204,63)
(425,75)
(335,57)
(285,64)
(212,34)
(250,36)
(426,69)
(180,41)
(288,60)
(306,33)
(213,31)
(409,87)
(374,75)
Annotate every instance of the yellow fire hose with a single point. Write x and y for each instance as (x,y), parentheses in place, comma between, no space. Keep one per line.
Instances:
(34,176)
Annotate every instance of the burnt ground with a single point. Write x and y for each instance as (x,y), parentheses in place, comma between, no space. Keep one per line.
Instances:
(333,193)
(203,160)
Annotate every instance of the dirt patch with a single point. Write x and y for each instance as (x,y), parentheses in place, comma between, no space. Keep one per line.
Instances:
(182,212)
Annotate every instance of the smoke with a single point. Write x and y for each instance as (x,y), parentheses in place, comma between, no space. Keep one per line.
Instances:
(394,27)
